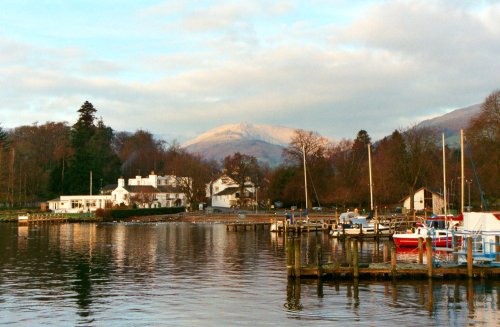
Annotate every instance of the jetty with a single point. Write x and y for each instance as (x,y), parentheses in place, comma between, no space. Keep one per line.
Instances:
(235,226)
(42,218)
(354,269)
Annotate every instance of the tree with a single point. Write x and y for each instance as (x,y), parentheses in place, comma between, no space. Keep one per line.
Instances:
(414,151)
(243,169)
(105,162)
(92,152)
(140,153)
(312,148)
(192,172)
(4,146)
(483,140)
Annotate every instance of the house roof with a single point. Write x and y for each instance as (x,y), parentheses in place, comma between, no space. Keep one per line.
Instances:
(141,189)
(231,190)
(110,187)
(170,189)
(420,189)
(228,191)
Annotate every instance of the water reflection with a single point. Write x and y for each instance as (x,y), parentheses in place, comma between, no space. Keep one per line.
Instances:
(201,274)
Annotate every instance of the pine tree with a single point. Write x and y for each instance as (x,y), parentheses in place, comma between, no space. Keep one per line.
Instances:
(92,152)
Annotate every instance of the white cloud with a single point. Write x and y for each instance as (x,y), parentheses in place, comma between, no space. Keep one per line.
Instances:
(395,62)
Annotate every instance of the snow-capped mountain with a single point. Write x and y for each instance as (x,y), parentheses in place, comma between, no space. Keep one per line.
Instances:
(265,142)
(267,133)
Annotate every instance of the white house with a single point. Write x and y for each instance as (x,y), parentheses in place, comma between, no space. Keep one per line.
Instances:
(80,203)
(425,199)
(224,192)
(147,192)
(152,191)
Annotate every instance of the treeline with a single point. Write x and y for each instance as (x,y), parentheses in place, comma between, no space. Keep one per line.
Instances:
(40,162)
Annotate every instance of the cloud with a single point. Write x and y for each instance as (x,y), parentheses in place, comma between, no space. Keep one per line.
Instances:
(231,62)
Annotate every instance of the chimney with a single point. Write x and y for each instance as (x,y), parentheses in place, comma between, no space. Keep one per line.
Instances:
(121,182)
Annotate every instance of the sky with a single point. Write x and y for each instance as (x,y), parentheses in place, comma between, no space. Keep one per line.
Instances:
(180,68)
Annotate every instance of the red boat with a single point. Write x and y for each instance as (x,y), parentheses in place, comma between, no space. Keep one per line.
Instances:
(440,237)
(434,228)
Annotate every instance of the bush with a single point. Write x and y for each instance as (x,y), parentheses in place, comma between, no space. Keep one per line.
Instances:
(117,214)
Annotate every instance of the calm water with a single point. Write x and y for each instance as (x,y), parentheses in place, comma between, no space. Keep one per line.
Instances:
(184,274)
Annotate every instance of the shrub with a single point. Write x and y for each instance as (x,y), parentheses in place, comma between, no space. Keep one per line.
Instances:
(117,214)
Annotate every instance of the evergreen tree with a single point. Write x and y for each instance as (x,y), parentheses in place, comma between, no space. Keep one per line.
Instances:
(105,162)
(92,152)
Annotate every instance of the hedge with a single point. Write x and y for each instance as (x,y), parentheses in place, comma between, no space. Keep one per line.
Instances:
(126,213)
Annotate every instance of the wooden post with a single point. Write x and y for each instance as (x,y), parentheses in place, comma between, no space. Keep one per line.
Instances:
(355,270)
(347,242)
(420,250)
(290,256)
(428,246)
(319,260)
(393,261)
(497,248)
(455,248)
(469,257)
(297,257)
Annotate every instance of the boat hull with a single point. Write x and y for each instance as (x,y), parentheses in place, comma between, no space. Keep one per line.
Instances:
(410,240)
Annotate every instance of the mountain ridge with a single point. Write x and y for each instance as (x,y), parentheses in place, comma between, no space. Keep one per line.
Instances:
(266,142)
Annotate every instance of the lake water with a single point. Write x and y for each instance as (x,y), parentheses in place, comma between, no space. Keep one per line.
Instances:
(186,274)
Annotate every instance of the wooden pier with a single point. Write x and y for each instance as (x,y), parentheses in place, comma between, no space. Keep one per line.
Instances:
(355,269)
(250,226)
(300,226)
(42,218)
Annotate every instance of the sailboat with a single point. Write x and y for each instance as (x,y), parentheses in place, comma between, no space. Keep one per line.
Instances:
(352,224)
(279,225)
(439,229)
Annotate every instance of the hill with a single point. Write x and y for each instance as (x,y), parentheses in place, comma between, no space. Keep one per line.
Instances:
(265,142)
(452,122)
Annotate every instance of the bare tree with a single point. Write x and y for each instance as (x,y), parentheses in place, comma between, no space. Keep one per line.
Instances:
(413,151)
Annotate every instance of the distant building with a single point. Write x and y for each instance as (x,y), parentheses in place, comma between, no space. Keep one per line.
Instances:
(425,199)
(152,192)
(80,203)
(224,192)
(146,192)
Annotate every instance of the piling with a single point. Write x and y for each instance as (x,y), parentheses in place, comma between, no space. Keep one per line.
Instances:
(355,267)
(455,248)
(469,257)
(420,250)
(347,242)
(290,256)
(393,261)
(428,245)
(319,260)
(297,258)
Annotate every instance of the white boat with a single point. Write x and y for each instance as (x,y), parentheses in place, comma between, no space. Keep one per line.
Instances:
(483,228)
(352,224)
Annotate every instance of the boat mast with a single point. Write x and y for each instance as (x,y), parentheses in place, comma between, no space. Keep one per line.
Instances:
(305,174)
(370,173)
(444,181)
(462,177)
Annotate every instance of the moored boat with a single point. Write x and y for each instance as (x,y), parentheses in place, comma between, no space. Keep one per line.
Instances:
(440,230)
(484,229)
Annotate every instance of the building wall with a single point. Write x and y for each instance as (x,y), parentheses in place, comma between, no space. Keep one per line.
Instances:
(419,202)
(80,203)
(224,201)
(437,204)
